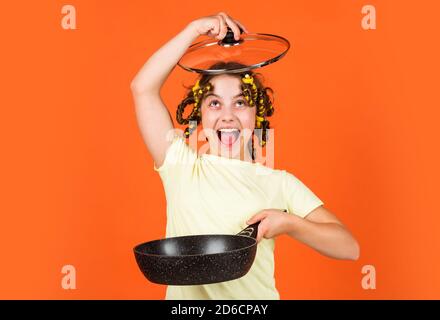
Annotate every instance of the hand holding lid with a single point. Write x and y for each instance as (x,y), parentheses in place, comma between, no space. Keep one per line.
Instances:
(253,50)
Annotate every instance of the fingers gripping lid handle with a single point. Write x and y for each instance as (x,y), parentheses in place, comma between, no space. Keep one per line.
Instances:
(229,38)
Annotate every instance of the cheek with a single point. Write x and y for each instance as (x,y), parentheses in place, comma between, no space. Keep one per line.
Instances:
(247,119)
(208,119)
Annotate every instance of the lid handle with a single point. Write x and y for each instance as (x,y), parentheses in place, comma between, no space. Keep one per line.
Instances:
(229,38)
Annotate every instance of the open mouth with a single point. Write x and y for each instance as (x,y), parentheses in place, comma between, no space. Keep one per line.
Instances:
(228,136)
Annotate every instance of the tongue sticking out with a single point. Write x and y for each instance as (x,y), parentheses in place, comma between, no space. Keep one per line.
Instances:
(228,138)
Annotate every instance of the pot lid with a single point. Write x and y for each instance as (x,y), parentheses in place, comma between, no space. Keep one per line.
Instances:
(251,51)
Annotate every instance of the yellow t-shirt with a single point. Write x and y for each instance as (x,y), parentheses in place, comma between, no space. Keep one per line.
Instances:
(208,194)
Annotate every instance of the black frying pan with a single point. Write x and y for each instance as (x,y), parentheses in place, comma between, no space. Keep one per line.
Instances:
(199,259)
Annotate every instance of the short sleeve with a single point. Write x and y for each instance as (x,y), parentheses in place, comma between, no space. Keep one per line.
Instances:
(300,200)
(177,157)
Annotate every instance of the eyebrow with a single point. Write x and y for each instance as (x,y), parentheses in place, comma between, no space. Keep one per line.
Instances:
(215,95)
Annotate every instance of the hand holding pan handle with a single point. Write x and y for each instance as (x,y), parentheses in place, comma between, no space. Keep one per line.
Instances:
(251,230)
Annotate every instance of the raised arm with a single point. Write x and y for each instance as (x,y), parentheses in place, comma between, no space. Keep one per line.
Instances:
(153,117)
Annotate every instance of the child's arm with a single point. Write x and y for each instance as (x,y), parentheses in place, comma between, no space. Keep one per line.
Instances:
(153,117)
(320,230)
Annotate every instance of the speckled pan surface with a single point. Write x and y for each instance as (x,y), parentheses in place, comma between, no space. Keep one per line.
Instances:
(195,260)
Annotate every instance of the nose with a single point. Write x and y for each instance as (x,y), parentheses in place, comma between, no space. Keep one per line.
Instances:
(227,115)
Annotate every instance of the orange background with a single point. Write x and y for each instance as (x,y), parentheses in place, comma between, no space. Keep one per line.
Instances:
(356,120)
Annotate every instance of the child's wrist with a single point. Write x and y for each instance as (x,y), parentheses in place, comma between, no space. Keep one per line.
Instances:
(192,29)
(292,223)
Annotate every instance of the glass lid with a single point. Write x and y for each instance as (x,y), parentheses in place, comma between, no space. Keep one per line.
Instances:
(251,51)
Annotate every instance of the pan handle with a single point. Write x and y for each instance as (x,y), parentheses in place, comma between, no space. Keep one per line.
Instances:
(251,230)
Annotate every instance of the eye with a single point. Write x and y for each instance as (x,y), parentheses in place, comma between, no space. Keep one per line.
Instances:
(241,103)
(214,103)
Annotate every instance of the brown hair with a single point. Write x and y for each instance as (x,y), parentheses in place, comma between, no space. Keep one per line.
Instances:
(255,93)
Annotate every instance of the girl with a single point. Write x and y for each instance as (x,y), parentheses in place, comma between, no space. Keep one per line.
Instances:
(218,191)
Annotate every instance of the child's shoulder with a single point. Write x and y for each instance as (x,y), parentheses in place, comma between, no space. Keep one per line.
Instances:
(264,170)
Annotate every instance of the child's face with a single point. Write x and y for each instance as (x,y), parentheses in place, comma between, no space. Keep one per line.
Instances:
(227,119)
